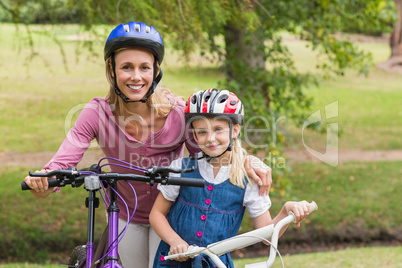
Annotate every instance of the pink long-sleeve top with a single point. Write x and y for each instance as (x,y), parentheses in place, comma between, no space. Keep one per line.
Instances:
(96,121)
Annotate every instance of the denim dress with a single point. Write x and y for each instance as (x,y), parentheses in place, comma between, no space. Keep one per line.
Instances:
(202,216)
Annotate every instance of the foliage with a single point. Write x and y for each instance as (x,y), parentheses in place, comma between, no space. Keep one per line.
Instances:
(37,11)
(381,9)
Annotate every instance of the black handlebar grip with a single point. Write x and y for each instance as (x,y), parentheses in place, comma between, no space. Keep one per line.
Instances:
(186,182)
(51,182)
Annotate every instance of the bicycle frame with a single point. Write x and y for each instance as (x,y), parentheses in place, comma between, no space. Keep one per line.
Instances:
(93,202)
(92,181)
(244,240)
(92,184)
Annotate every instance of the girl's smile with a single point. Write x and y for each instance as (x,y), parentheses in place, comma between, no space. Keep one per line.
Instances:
(212,146)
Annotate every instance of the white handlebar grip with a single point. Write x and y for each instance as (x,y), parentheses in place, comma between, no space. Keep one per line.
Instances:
(313,206)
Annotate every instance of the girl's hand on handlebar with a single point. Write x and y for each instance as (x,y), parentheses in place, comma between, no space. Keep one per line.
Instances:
(299,209)
(179,247)
(39,185)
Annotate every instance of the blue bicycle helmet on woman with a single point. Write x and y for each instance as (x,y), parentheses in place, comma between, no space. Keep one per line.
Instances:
(135,34)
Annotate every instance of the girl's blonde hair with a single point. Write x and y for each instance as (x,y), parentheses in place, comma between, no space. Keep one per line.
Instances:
(237,159)
(156,101)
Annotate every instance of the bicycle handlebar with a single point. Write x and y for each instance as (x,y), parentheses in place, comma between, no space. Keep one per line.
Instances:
(243,240)
(52,183)
(153,174)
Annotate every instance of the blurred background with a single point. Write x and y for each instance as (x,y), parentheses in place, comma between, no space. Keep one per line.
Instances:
(322,86)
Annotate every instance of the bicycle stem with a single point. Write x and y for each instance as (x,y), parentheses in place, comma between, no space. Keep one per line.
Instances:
(275,237)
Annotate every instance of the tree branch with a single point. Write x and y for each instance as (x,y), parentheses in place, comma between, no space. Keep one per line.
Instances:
(13,13)
(181,10)
(262,7)
(117,10)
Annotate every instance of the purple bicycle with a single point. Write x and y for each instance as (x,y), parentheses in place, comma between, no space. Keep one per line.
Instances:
(94,180)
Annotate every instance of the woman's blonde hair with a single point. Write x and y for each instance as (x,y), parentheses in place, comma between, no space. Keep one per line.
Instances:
(157,100)
(237,159)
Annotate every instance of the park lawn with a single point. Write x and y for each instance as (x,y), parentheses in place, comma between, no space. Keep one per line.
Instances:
(370,257)
(42,95)
(358,201)
(42,92)
(355,196)
(33,229)
(353,257)
(368,116)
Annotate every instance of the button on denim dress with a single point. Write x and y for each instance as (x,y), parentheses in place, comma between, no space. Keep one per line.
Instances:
(202,216)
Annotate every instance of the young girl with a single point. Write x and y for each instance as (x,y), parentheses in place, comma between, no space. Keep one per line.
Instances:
(137,122)
(201,216)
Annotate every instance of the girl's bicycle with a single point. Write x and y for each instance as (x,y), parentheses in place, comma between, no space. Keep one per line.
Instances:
(94,179)
(244,240)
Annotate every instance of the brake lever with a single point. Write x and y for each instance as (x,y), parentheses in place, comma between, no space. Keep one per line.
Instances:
(167,170)
(64,177)
(163,172)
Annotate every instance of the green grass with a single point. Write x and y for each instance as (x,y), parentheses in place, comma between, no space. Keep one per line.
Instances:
(356,201)
(353,257)
(34,229)
(369,107)
(37,96)
(355,192)
(369,111)
(28,265)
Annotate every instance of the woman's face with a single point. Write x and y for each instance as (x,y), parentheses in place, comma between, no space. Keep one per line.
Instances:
(134,72)
(212,135)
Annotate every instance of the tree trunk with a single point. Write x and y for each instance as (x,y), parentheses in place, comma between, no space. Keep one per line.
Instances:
(394,63)
(396,36)
(243,50)
(245,57)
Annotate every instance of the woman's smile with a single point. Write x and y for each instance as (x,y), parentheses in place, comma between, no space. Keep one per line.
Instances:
(136,88)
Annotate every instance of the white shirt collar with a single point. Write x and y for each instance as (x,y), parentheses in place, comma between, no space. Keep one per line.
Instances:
(207,172)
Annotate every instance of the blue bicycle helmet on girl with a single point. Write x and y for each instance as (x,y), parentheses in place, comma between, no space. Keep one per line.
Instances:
(135,34)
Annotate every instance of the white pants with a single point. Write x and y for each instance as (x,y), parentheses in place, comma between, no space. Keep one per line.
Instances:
(138,247)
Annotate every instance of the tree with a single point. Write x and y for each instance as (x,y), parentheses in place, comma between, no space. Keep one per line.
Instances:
(257,63)
(396,36)
(394,63)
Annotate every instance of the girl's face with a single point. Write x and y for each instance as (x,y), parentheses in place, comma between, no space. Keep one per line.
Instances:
(134,72)
(212,135)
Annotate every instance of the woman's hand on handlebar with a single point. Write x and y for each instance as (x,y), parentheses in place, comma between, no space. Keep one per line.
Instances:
(39,185)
